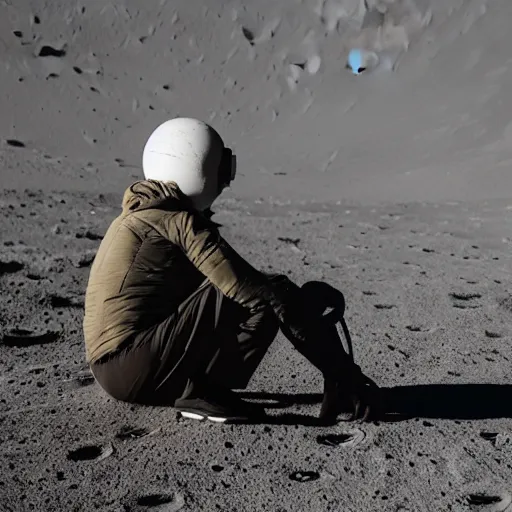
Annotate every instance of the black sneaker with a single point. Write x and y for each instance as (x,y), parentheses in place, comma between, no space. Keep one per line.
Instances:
(219,411)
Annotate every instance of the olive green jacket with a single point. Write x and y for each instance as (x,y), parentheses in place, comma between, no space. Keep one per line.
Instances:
(153,256)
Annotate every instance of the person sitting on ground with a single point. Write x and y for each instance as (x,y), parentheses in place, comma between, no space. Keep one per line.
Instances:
(175,316)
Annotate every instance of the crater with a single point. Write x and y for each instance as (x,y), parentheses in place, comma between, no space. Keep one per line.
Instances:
(90,452)
(15,143)
(249,35)
(27,338)
(490,502)
(127,432)
(59,301)
(304,476)
(465,296)
(347,439)
(10,267)
(50,51)
(162,501)
(384,306)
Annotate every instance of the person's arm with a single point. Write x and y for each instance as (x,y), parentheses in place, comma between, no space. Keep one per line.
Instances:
(203,245)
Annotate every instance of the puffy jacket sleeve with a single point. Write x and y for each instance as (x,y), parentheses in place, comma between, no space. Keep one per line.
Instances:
(203,245)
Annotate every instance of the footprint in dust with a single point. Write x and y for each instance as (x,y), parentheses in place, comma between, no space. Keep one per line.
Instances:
(94,453)
(163,502)
(490,502)
(27,338)
(127,432)
(304,476)
(348,439)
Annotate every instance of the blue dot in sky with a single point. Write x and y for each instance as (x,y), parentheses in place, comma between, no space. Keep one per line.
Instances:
(355,60)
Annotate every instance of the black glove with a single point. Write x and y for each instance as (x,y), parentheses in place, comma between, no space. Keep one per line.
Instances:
(350,397)
(364,393)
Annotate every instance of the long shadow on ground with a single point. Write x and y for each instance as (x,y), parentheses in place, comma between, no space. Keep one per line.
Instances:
(450,401)
(441,401)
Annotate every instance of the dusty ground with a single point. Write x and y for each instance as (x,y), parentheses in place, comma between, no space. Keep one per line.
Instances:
(428,298)
(394,186)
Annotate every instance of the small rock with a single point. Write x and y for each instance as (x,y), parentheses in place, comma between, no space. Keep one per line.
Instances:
(313,65)
(85,260)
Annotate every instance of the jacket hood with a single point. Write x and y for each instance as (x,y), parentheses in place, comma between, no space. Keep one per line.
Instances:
(146,194)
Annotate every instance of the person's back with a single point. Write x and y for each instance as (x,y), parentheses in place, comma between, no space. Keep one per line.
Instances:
(139,276)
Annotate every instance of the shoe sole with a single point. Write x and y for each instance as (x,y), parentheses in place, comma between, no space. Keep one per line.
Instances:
(215,419)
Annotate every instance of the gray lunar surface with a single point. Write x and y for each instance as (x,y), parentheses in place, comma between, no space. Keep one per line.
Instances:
(394,185)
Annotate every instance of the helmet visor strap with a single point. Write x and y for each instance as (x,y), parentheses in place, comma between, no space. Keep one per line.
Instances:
(227,168)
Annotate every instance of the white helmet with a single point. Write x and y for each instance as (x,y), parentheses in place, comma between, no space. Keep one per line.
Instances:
(192,154)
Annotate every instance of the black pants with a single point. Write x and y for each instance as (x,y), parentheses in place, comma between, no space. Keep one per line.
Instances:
(209,336)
